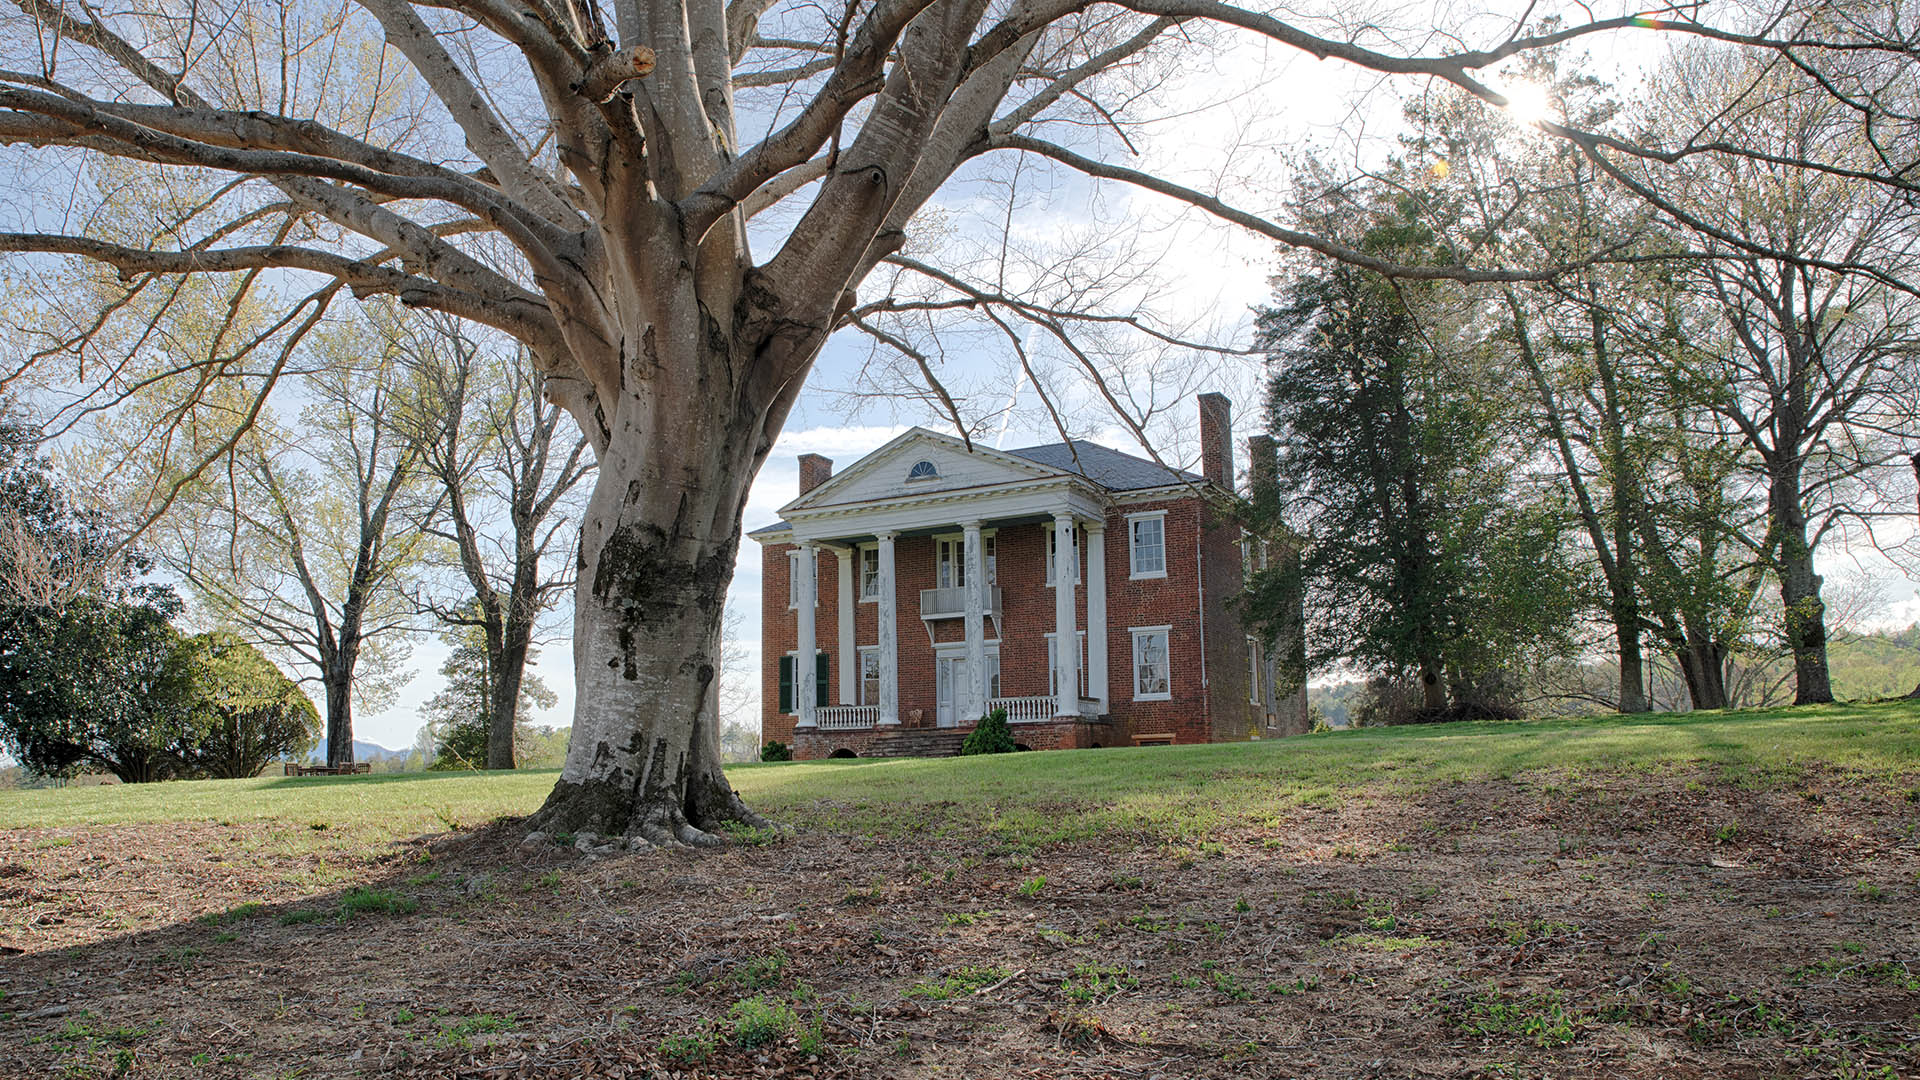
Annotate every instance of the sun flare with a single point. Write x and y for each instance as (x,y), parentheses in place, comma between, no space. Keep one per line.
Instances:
(1529,104)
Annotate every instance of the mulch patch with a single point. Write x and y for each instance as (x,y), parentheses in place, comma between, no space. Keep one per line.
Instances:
(1669,925)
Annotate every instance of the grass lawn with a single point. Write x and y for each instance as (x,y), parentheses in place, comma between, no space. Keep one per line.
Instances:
(1028,800)
(1705,895)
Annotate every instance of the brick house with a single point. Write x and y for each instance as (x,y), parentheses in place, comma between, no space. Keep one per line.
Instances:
(932,583)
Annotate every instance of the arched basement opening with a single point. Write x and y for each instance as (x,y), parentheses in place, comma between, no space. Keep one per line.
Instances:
(843,752)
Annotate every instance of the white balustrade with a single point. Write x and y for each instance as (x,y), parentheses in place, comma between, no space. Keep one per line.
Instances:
(1024,710)
(845,717)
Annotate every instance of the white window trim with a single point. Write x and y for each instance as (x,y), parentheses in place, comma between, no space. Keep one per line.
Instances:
(1133,562)
(860,573)
(1253,670)
(1082,635)
(793,582)
(1079,554)
(1133,660)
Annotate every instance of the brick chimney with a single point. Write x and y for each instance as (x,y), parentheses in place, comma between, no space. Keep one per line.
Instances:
(1263,470)
(1216,439)
(814,471)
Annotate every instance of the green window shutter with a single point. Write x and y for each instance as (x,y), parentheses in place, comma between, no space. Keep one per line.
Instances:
(786,684)
(820,671)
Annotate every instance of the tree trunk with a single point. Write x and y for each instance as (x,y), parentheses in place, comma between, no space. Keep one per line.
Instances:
(338,682)
(509,671)
(1703,663)
(1805,612)
(1633,672)
(1622,579)
(657,549)
(1433,690)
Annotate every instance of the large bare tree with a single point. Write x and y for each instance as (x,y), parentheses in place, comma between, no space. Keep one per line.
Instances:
(508,465)
(583,177)
(307,541)
(1824,325)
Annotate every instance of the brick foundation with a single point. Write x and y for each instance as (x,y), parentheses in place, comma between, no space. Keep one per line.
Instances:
(945,742)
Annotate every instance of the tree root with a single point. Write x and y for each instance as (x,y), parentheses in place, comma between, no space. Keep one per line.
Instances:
(600,822)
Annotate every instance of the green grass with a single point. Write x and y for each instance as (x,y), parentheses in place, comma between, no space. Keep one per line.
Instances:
(1025,801)
(401,803)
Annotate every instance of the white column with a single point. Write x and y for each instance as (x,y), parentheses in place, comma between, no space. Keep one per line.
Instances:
(976,567)
(1097,612)
(805,689)
(848,654)
(889,641)
(1066,653)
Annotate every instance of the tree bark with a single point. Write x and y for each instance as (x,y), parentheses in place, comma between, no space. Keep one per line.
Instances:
(1623,583)
(509,670)
(657,552)
(1703,664)
(1805,612)
(338,683)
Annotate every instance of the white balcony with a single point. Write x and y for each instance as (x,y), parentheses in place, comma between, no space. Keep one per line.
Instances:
(846,717)
(951,603)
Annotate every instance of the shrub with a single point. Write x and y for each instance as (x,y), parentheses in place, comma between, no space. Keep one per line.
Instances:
(757,1021)
(776,751)
(990,736)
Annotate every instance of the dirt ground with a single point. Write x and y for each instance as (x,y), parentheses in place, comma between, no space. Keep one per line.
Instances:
(1619,926)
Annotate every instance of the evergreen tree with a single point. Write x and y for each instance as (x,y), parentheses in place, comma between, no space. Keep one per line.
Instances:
(459,717)
(1423,555)
(251,713)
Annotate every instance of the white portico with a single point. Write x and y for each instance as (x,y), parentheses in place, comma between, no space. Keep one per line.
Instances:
(957,509)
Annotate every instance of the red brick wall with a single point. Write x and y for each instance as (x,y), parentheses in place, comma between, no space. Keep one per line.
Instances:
(1208,694)
(1170,601)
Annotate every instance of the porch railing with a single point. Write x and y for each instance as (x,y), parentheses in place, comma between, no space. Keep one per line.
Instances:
(1025,709)
(844,717)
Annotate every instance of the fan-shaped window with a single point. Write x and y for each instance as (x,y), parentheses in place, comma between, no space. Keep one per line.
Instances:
(923,470)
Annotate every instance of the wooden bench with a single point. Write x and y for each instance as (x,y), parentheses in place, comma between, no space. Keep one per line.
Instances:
(294,768)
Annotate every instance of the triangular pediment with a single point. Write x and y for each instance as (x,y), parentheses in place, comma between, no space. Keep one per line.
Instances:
(919,462)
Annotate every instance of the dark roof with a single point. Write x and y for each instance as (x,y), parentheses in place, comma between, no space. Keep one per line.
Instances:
(1111,469)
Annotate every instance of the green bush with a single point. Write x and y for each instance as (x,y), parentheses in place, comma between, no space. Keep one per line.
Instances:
(758,1021)
(990,736)
(776,751)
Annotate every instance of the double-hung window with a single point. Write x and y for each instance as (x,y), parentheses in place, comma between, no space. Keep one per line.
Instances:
(951,561)
(1152,680)
(869,574)
(1147,544)
(789,676)
(1073,557)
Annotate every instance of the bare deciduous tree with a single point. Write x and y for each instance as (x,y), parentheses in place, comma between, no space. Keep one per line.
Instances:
(305,543)
(507,469)
(1818,366)
(583,177)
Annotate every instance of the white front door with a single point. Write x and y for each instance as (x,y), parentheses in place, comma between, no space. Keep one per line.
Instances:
(950,675)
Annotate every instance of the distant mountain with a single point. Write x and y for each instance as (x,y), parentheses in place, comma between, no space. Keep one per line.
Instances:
(362,751)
